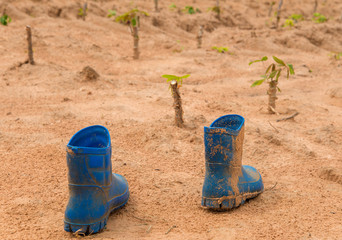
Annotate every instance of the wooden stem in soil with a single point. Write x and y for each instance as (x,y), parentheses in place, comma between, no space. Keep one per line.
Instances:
(156,6)
(270,10)
(29,45)
(135,34)
(199,37)
(85,7)
(218,9)
(177,104)
(272,96)
(278,12)
(315,6)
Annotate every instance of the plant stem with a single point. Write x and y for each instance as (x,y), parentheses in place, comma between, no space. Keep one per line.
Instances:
(272,96)
(199,37)
(29,45)
(85,7)
(278,12)
(270,10)
(315,7)
(218,9)
(156,6)
(177,104)
(135,34)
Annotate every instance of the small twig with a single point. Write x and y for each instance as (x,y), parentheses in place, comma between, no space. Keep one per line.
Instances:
(149,229)
(199,37)
(287,118)
(273,127)
(85,7)
(278,12)
(29,45)
(141,219)
(273,110)
(172,227)
(315,6)
(268,189)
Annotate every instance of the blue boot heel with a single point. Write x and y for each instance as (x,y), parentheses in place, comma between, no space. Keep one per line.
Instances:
(227,183)
(94,191)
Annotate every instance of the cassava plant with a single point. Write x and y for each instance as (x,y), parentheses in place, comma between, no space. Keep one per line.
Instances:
(82,12)
(271,76)
(132,19)
(175,83)
(5,19)
(216,9)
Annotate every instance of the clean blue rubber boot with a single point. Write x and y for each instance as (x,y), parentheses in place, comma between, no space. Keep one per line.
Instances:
(227,183)
(94,192)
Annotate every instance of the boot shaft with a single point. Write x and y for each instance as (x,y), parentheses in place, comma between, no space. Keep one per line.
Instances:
(223,141)
(89,157)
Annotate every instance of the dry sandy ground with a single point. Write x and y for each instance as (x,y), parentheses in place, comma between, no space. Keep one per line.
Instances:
(43,105)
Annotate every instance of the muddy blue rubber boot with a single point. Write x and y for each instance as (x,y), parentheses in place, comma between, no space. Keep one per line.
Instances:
(94,191)
(227,183)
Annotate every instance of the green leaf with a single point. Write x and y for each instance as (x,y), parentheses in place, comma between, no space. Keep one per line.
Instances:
(272,74)
(258,82)
(281,62)
(291,69)
(278,75)
(259,60)
(269,68)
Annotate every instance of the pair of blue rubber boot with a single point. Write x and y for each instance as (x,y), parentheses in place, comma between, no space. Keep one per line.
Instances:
(94,192)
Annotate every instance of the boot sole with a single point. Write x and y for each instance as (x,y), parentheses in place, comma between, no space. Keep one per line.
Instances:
(88,229)
(227,202)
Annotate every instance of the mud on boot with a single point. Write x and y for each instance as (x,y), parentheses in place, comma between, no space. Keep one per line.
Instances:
(94,191)
(227,182)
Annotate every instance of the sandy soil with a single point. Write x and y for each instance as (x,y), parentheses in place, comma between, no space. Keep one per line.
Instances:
(43,105)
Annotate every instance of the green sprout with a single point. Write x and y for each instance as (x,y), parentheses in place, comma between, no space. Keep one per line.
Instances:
(220,49)
(319,18)
(288,23)
(336,55)
(191,10)
(82,12)
(131,17)
(271,76)
(5,19)
(179,80)
(111,13)
(297,17)
(173,7)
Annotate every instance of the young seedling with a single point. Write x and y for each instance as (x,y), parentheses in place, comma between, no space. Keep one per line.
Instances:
(190,10)
(173,7)
(199,37)
(111,13)
(319,18)
(5,19)
(216,9)
(132,19)
(271,76)
(175,83)
(336,55)
(82,12)
(220,49)
(29,45)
